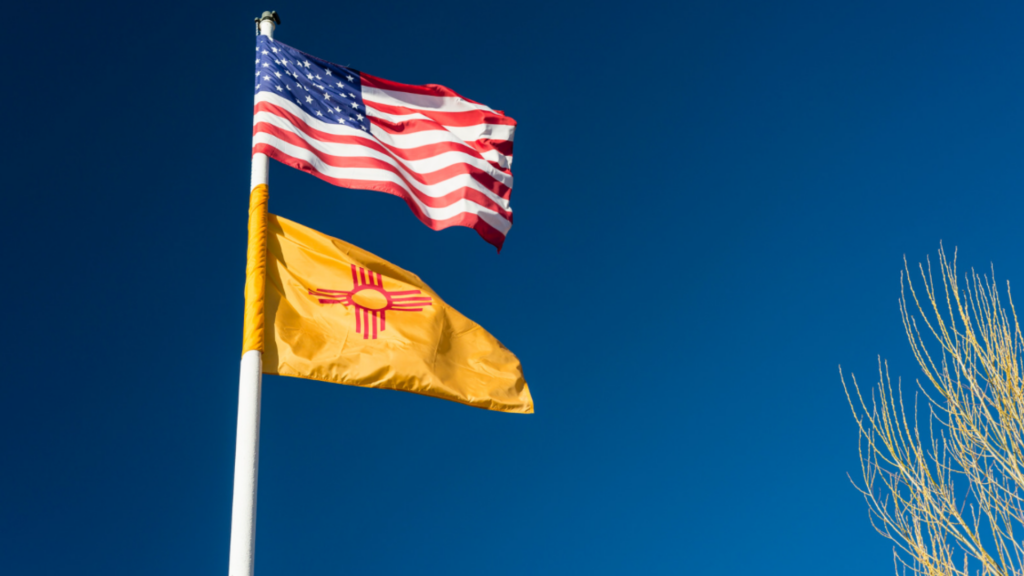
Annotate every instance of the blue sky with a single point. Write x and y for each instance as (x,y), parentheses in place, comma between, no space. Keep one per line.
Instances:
(712,200)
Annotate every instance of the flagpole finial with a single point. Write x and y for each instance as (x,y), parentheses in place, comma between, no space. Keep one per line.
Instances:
(266,23)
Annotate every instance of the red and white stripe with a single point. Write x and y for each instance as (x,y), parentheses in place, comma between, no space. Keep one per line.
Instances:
(447,156)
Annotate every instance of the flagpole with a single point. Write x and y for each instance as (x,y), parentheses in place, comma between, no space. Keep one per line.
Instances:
(247,438)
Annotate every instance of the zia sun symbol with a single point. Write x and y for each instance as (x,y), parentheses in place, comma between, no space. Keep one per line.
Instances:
(372,301)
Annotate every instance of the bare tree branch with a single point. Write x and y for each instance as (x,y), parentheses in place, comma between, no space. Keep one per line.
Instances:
(949,494)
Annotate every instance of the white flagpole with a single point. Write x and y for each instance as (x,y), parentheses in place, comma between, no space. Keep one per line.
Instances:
(247,439)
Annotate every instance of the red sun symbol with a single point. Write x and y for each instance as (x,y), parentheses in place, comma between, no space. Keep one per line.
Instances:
(372,301)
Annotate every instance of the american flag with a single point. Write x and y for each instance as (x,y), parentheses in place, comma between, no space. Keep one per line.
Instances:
(448,156)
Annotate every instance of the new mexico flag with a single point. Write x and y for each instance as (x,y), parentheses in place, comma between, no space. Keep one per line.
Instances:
(334,312)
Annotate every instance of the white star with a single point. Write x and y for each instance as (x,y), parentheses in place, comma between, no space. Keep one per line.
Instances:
(288,87)
(359,116)
(265,65)
(284,62)
(257,60)
(337,108)
(278,74)
(327,96)
(306,63)
(257,48)
(350,78)
(318,77)
(257,73)
(266,77)
(351,94)
(275,50)
(354,105)
(328,72)
(279,89)
(277,61)
(308,75)
(340,85)
(264,52)
(342,120)
(364,128)
(318,113)
(309,100)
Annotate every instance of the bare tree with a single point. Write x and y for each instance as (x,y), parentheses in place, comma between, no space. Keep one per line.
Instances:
(949,496)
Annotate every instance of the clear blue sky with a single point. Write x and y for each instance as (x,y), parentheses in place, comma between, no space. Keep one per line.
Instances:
(712,204)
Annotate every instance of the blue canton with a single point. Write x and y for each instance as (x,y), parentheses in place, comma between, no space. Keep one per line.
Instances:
(325,91)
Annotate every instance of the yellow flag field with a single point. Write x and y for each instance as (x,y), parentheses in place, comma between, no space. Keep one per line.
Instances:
(337,313)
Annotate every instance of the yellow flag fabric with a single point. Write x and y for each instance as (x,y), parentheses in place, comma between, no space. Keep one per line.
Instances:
(336,313)
(255,270)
